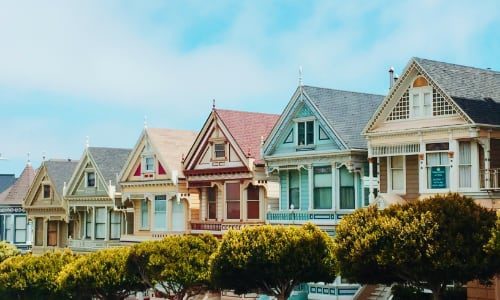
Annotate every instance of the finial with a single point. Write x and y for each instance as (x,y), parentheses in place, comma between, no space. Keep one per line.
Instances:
(29,161)
(87,141)
(213,103)
(43,156)
(300,75)
(145,122)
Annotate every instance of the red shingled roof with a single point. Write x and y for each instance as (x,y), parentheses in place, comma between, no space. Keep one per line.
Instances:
(248,128)
(18,190)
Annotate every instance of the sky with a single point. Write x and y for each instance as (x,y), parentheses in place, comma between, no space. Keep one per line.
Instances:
(72,69)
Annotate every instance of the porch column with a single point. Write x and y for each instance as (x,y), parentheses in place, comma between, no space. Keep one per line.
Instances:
(485,142)
(107,224)
(371,196)
(453,156)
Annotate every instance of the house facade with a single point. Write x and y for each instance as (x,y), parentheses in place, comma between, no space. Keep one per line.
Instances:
(155,199)
(14,225)
(46,207)
(318,156)
(93,197)
(225,166)
(438,131)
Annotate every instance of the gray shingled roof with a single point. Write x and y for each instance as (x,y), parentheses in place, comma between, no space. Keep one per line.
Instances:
(476,91)
(109,161)
(347,112)
(6,180)
(60,171)
(18,190)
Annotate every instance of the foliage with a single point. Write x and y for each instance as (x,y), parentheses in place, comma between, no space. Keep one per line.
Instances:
(7,250)
(102,274)
(493,246)
(176,266)
(272,259)
(405,292)
(32,277)
(426,243)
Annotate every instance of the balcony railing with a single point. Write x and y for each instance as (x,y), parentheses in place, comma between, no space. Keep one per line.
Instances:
(218,227)
(490,179)
(91,245)
(304,216)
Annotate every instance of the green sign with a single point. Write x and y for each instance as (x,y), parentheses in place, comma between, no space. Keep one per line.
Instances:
(438,177)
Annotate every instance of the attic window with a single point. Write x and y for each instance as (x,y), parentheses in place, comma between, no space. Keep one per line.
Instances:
(46,191)
(220,150)
(149,164)
(90,179)
(420,82)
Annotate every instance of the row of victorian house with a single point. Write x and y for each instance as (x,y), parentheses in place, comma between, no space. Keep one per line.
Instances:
(328,153)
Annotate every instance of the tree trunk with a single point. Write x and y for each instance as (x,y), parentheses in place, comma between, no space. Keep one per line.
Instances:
(437,293)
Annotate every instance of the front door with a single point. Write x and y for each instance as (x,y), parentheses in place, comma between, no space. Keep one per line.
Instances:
(178,216)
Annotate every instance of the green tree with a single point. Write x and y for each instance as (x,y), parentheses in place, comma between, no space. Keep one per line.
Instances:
(102,274)
(7,250)
(32,277)
(176,266)
(272,259)
(427,244)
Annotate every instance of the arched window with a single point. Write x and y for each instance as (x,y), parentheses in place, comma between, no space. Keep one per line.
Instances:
(420,82)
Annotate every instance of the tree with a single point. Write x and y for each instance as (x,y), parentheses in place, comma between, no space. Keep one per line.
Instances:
(176,266)
(32,277)
(7,250)
(272,259)
(428,243)
(102,274)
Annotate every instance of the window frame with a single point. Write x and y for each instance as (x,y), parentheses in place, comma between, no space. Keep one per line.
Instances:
(38,236)
(145,164)
(113,223)
(16,229)
(89,216)
(232,200)
(249,201)
(87,179)
(421,91)
(49,231)
(9,228)
(306,123)
(212,191)
(470,165)
(289,194)
(99,224)
(339,184)
(44,190)
(314,187)
(426,187)
(215,150)
(390,175)
(144,211)
(157,198)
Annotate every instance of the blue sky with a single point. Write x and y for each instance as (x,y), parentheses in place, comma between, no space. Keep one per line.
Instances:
(71,69)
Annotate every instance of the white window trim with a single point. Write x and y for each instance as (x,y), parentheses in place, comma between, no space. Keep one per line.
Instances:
(312,186)
(296,131)
(144,165)
(475,176)
(87,181)
(421,91)
(225,200)
(389,176)
(337,177)
(153,212)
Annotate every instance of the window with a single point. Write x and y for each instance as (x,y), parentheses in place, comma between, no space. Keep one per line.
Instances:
(2,223)
(160,214)
(89,216)
(220,150)
(397,173)
(90,179)
(253,205)
(289,138)
(20,229)
(46,191)
(305,133)
(52,233)
(149,164)
(322,135)
(323,187)
(347,194)
(465,164)
(421,102)
(115,229)
(39,232)
(233,200)
(8,228)
(100,222)
(212,203)
(144,214)
(438,167)
(294,190)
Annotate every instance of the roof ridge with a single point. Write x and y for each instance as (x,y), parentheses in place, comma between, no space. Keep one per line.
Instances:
(455,64)
(115,148)
(345,91)
(246,112)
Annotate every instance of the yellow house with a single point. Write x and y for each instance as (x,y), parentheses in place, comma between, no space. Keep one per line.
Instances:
(155,197)
(45,205)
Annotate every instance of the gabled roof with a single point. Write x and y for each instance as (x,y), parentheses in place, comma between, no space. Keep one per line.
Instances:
(109,161)
(346,112)
(18,190)
(248,129)
(60,171)
(476,91)
(6,180)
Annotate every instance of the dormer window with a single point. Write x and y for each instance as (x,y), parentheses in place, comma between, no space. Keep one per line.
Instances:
(46,191)
(305,133)
(219,150)
(90,179)
(420,98)
(149,164)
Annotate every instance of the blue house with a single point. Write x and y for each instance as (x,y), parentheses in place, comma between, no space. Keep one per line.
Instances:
(318,155)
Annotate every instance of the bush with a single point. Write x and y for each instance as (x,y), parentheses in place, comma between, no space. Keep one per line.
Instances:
(406,292)
(7,250)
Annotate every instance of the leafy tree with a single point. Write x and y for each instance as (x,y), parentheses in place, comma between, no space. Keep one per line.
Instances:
(7,250)
(102,274)
(32,277)
(427,244)
(273,259)
(176,266)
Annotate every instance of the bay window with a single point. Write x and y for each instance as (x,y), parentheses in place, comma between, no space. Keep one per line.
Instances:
(253,205)
(100,222)
(323,187)
(347,193)
(115,228)
(160,213)
(20,229)
(212,203)
(438,166)
(465,164)
(88,223)
(233,200)
(8,228)
(397,173)
(294,189)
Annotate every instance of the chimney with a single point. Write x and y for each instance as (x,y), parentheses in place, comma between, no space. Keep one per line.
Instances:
(391,77)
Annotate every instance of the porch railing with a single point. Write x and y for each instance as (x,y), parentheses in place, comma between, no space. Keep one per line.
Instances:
(490,179)
(219,226)
(303,216)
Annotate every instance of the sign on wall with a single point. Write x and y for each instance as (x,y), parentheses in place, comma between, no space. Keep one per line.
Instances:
(438,177)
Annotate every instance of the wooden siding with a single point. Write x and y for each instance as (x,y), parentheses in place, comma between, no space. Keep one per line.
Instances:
(383,174)
(412,192)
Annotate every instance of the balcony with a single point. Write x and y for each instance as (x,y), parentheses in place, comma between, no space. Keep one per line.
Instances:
(490,179)
(304,216)
(91,245)
(218,227)
(320,291)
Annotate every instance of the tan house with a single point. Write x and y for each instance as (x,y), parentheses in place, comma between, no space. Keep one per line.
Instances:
(438,131)
(45,205)
(155,198)
(226,167)
(93,197)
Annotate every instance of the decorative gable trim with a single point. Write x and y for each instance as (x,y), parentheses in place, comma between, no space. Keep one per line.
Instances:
(80,170)
(381,112)
(41,178)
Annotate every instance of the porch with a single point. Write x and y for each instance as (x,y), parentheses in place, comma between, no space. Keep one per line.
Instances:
(490,179)
(299,217)
(218,227)
(87,245)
